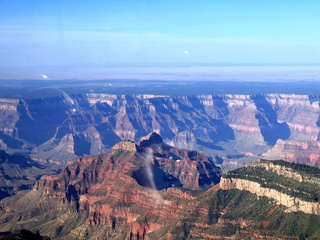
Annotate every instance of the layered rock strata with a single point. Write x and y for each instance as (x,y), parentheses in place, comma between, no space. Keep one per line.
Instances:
(231,128)
(293,204)
(128,188)
(284,191)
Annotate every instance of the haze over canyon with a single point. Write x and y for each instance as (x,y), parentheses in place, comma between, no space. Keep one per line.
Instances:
(233,129)
(131,160)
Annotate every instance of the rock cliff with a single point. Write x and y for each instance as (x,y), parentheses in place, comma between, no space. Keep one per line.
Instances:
(292,203)
(19,172)
(297,190)
(143,190)
(232,128)
(121,188)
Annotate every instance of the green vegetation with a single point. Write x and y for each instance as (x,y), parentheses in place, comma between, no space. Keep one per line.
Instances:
(301,168)
(259,215)
(308,189)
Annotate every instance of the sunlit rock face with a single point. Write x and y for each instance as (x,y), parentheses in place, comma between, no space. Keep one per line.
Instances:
(150,190)
(118,189)
(258,178)
(231,128)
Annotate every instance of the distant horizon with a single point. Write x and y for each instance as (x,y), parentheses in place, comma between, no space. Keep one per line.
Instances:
(183,72)
(133,65)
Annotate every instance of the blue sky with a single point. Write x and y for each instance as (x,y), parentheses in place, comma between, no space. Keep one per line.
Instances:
(158,33)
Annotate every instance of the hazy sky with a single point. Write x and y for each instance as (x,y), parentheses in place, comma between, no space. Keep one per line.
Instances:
(169,32)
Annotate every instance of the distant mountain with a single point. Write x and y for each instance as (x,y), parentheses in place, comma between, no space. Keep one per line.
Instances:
(232,129)
(149,190)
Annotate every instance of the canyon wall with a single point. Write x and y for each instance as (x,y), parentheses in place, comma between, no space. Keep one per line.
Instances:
(150,190)
(257,177)
(232,129)
(293,204)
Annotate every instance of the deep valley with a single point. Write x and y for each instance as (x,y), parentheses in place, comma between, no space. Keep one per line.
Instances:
(233,129)
(98,164)
(149,190)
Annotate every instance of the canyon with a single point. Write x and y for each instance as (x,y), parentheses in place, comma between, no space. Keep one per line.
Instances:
(202,179)
(20,172)
(150,190)
(232,129)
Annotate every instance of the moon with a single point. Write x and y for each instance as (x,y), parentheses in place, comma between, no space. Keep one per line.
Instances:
(186,52)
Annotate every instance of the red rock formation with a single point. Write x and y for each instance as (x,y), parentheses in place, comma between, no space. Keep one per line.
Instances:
(101,196)
(106,187)
(241,125)
(304,152)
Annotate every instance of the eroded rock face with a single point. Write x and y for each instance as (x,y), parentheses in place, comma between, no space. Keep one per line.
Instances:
(120,189)
(226,127)
(19,172)
(125,145)
(148,160)
(306,199)
(293,204)
(304,152)
(105,197)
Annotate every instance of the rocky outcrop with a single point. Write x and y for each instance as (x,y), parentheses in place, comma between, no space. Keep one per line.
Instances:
(185,140)
(145,193)
(128,188)
(231,128)
(304,152)
(18,172)
(283,191)
(125,145)
(150,162)
(293,204)
(8,104)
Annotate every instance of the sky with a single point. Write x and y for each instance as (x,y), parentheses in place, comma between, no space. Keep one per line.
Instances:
(125,33)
